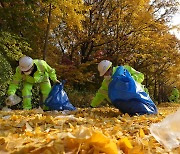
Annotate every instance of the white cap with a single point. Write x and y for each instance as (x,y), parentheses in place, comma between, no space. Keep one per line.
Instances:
(25,63)
(103,66)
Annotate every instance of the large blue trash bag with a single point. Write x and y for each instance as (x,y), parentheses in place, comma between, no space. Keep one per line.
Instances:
(128,96)
(58,99)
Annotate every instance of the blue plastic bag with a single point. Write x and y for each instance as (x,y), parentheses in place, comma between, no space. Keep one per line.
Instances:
(128,96)
(58,99)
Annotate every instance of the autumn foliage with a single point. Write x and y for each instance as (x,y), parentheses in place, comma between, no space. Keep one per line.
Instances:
(85,131)
(74,36)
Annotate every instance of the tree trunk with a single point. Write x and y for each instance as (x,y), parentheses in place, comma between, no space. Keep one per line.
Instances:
(159,93)
(155,89)
(47,33)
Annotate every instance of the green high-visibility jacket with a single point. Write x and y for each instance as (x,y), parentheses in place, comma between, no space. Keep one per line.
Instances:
(44,71)
(103,90)
(174,95)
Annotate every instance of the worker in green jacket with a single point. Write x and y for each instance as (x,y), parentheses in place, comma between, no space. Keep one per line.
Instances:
(106,69)
(32,72)
(174,95)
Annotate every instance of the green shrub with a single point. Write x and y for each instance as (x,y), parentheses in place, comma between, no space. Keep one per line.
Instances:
(82,98)
(5,76)
(12,47)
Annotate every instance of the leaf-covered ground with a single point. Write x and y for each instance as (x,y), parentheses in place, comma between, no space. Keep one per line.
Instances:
(85,131)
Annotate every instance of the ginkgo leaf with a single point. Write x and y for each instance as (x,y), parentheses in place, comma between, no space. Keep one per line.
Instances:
(103,143)
(141,133)
(83,133)
(101,130)
(28,127)
(125,145)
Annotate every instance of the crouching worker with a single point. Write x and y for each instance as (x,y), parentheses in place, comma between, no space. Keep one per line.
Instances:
(122,87)
(32,72)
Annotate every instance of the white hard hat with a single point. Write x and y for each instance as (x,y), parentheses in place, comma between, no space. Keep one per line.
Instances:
(103,66)
(25,63)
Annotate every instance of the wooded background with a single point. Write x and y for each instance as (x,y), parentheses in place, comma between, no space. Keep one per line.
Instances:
(74,35)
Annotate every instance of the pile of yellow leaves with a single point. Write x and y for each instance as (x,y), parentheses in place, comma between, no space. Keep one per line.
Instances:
(84,131)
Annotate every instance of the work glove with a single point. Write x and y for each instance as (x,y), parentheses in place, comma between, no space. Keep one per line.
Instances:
(12,100)
(57,82)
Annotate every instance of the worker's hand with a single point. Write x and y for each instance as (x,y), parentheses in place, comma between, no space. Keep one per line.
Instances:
(12,100)
(57,82)
(9,101)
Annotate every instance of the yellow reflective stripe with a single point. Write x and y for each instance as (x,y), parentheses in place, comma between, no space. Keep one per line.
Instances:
(45,81)
(40,79)
(104,92)
(27,96)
